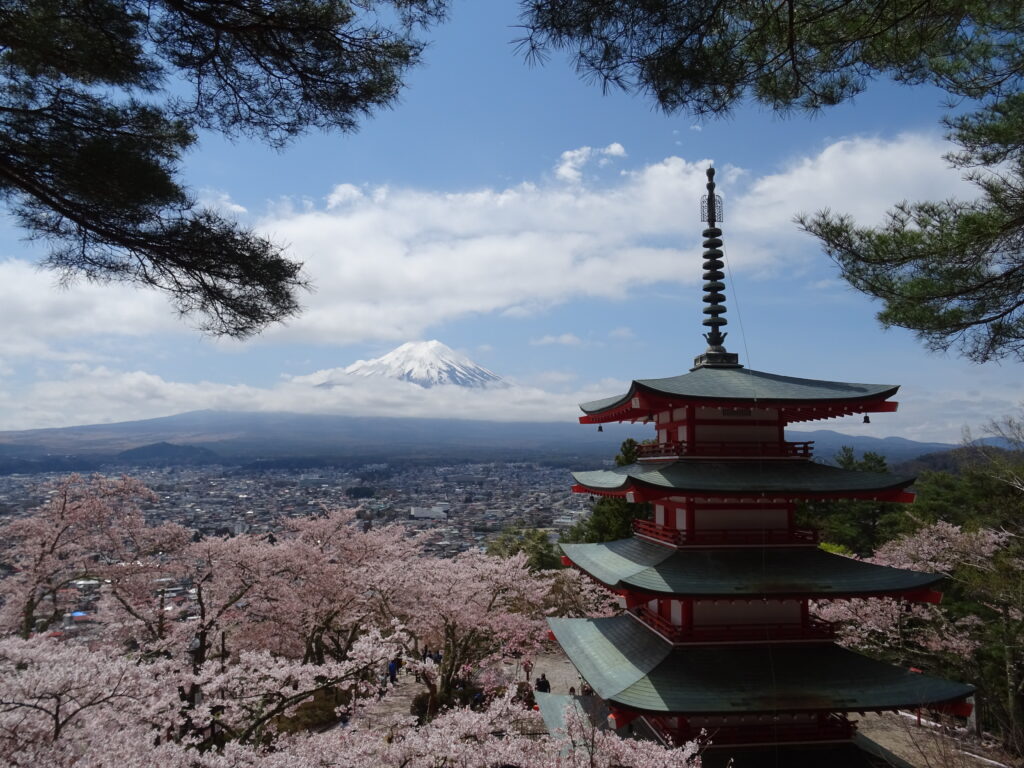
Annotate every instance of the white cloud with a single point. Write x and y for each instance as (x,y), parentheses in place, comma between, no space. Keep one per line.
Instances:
(621,333)
(392,262)
(565,339)
(99,394)
(88,394)
(388,263)
(43,321)
(220,201)
(342,194)
(572,161)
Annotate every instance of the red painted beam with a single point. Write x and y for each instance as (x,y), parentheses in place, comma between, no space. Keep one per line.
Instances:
(958,708)
(923,596)
(637,494)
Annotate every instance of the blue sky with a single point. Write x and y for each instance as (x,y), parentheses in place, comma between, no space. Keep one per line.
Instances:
(549,231)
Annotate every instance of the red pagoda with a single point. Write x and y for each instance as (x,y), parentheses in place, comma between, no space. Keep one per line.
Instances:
(717,635)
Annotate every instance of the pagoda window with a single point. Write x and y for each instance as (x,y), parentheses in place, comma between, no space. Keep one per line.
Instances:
(711,614)
(725,519)
(665,609)
(676,612)
(740,433)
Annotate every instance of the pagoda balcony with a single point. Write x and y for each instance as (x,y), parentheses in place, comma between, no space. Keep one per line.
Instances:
(831,728)
(725,536)
(815,629)
(678,449)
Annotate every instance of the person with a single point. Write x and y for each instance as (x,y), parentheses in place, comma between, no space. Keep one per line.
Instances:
(586,690)
(542,684)
(393,670)
(572,690)
(527,668)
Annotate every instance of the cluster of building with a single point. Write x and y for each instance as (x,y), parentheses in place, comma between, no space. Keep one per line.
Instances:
(453,508)
(457,507)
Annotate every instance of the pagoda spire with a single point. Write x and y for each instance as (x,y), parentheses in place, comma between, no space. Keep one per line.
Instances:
(715,356)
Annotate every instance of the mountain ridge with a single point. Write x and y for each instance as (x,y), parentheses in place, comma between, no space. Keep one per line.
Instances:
(240,436)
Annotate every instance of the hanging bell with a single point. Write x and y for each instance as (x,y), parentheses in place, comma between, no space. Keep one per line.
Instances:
(867,419)
(600,427)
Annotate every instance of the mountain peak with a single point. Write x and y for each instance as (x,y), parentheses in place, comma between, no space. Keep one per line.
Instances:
(428,364)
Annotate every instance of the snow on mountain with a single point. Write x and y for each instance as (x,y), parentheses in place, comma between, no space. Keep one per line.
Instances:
(428,364)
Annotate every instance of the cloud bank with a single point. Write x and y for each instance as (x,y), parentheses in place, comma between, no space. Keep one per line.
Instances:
(389,263)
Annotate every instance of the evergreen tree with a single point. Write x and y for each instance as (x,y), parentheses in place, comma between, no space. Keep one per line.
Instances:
(610,518)
(951,271)
(99,100)
(540,552)
(856,526)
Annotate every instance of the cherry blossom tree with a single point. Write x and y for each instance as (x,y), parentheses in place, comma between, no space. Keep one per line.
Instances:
(918,632)
(85,525)
(59,701)
(325,584)
(207,654)
(477,610)
(571,593)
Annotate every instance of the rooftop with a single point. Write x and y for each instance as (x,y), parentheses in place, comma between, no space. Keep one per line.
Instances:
(745,478)
(710,385)
(773,572)
(633,667)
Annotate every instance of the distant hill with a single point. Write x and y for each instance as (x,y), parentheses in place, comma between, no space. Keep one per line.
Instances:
(292,439)
(164,453)
(956,460)
(247,437)
(827,443)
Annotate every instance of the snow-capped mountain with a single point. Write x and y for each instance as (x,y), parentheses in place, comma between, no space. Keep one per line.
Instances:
(427,363)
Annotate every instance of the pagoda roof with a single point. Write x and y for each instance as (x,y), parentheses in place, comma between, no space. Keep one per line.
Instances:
(744,386)
(633,667)
(740,478)
(768,572)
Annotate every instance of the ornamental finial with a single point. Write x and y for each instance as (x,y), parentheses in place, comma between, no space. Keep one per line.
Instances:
(715,355)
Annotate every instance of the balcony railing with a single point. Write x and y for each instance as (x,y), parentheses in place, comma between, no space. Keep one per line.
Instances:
(678,449)
(830,728)
(725,536)
(815,629)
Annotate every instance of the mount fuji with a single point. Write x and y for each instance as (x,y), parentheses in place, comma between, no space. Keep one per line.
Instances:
(428,364)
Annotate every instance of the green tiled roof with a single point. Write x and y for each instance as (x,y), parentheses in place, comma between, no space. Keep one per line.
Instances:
(747,476)
(629,665)
(745,385)
(553,706)
(753,572)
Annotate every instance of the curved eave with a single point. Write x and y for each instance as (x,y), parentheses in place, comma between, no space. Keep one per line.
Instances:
(772,573)
(634,668)
(741,479)
(742,388)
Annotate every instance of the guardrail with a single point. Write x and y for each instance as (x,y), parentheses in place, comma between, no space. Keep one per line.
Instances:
(709,536)
(676,449)
(815,629)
